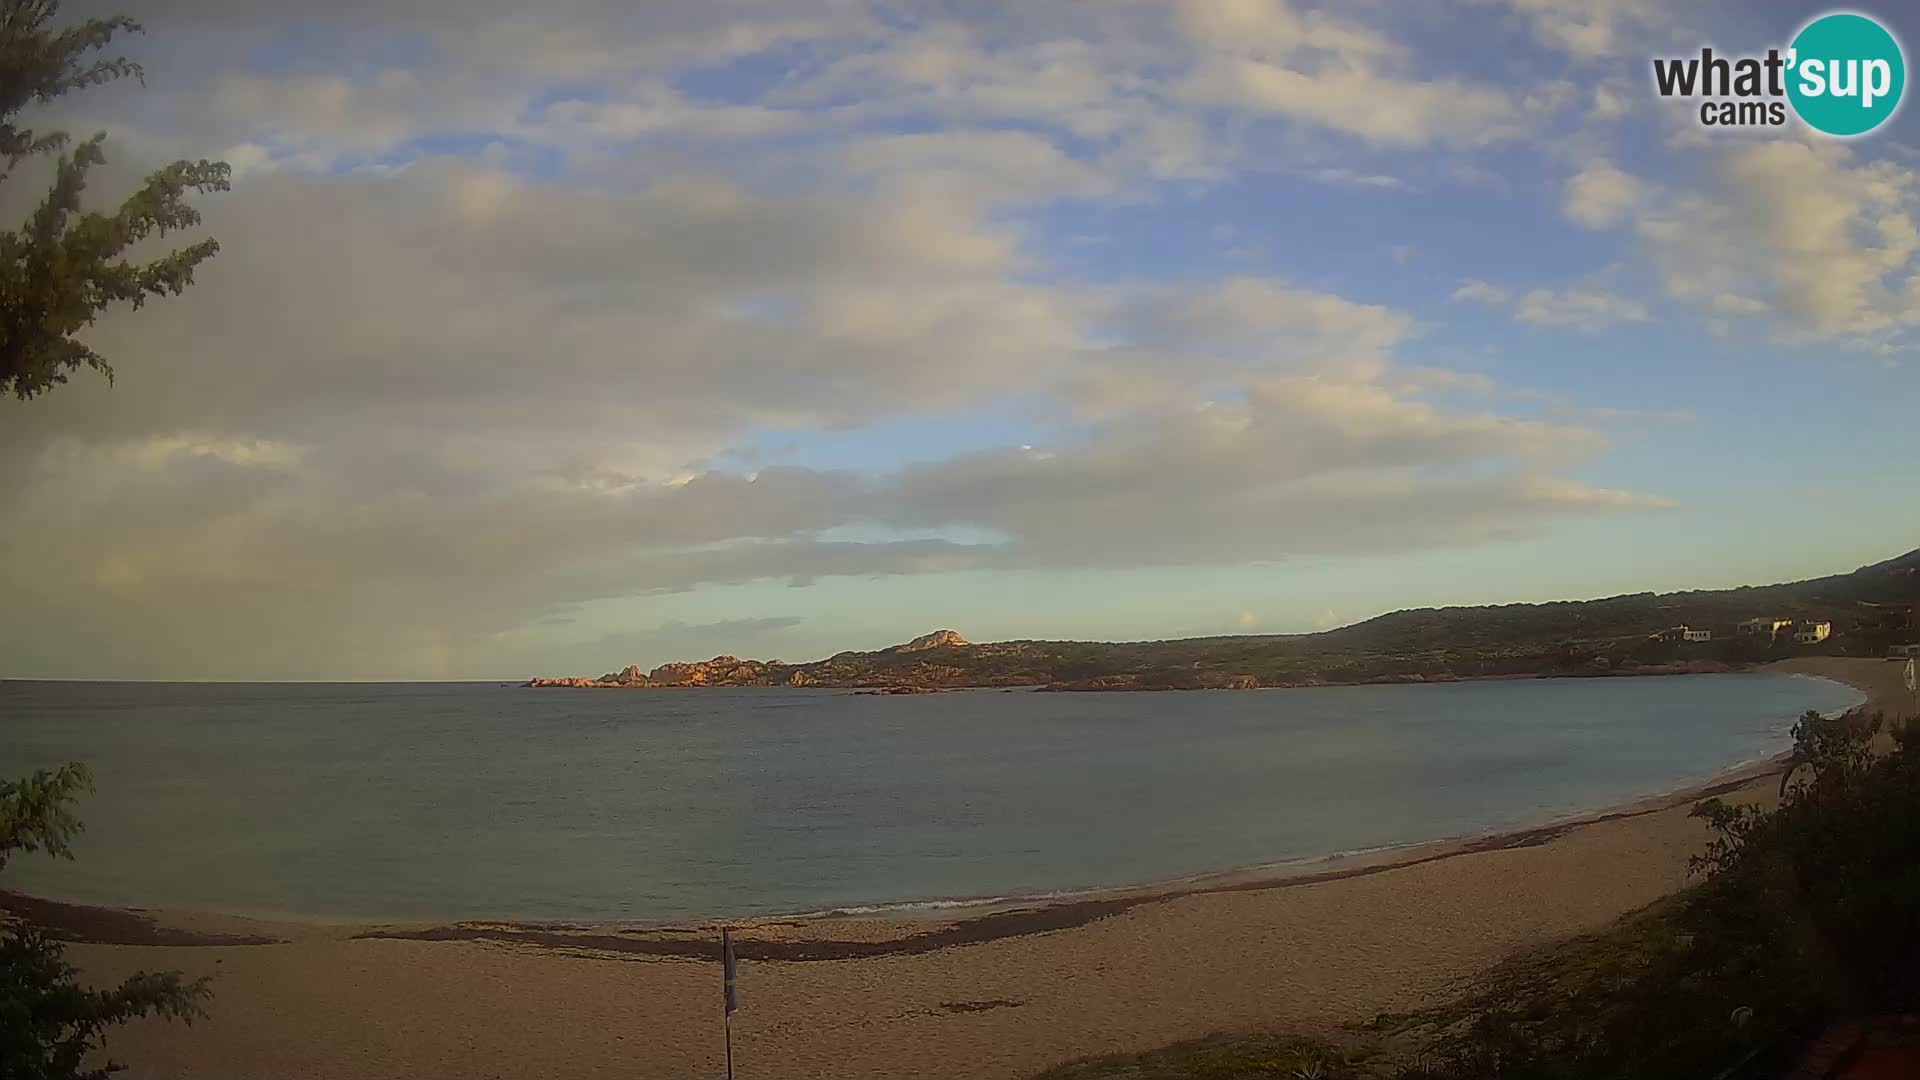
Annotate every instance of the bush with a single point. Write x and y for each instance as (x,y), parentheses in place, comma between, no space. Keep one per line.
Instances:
(51,1027)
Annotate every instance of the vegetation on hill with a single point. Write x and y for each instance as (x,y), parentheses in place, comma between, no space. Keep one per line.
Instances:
(1869,609)
(1807,912)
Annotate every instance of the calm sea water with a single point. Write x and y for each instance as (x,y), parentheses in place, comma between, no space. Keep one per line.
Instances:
(441,801)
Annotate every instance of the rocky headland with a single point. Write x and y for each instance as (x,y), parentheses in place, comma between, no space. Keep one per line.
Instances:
(1869,612)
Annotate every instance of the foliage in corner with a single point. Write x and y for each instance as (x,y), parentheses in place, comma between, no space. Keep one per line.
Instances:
(58,271)
(65,265)
(52,1027)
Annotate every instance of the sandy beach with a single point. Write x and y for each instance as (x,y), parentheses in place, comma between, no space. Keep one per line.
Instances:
(991,993)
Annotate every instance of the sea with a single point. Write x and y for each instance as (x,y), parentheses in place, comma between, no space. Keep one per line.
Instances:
(422,802)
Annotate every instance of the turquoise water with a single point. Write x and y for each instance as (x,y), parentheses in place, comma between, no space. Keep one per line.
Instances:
(419,801)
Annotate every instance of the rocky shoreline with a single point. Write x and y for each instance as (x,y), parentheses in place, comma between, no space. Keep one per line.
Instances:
(1868,613)
(732,671)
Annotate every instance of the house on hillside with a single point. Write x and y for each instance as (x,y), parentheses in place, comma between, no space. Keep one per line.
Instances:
(1768,628)
(1698,635)
(1813,631)
(1682,633)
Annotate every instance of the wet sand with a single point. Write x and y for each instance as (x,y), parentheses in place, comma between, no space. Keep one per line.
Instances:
(995,992)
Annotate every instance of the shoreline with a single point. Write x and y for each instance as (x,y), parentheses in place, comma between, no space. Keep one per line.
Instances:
(919,929)
(956,921)
(1096,685)
(998,994)
(996,919)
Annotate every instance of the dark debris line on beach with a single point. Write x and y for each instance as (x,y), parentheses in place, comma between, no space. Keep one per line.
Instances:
(1004,924)
(81,924)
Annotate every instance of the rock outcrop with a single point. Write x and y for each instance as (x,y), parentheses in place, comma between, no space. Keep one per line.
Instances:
(720,671)
(580,681)
(841,669)
(1869,609)
(939,639)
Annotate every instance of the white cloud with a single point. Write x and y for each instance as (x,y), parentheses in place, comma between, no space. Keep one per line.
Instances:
(1481,292)
(1277,27)
(1582,307)
(1353,178)
(1807,231)
(1589,28)
(1270,321)
(1600,195)
(1372,105)
(1610,101)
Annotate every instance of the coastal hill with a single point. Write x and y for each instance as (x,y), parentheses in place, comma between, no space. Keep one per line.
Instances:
(1868,611)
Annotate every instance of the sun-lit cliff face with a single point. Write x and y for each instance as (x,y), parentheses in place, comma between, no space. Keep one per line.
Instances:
(719,671)
(939,639)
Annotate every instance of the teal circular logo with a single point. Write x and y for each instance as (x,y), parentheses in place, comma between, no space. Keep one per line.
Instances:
(1845,74)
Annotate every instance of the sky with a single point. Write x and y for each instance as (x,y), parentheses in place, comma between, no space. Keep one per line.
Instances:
(545,339)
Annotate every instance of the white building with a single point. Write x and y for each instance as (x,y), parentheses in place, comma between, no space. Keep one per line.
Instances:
(1697,635)
(1811,632)
(1763,627)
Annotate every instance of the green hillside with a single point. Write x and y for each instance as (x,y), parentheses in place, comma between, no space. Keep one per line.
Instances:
(1869,610)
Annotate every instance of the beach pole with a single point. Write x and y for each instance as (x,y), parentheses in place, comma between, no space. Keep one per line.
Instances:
(727,966)
(1913,684)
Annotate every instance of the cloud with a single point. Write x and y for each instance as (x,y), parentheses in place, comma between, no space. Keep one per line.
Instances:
(507,301)
(1588,28)
(1375,106)
(1587,308)
(1600,196)
(1277,26)
(479,300)
(1806,231)
(673,639)
(1582,307)
(1611,100)
(1267,321)
(987,167)
(377,535)
(1351,178)
(1482,293)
